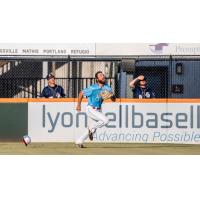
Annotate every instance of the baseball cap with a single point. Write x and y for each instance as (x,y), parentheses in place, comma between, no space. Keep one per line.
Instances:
(49,76)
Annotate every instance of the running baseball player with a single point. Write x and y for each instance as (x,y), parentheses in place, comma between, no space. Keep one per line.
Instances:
(95,94)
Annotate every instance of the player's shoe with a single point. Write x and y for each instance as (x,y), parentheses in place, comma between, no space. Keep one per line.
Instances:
(80,146)
(90,134)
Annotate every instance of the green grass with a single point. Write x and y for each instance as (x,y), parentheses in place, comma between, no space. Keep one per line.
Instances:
(16,148)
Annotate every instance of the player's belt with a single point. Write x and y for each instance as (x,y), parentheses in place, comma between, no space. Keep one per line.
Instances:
(96,108)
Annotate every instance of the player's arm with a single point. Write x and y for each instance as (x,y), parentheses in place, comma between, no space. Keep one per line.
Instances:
(80,97)
(62,92)
(113,97)
(134,81)
(42,95)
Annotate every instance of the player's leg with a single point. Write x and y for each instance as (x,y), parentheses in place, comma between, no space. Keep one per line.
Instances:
(99,119)
(85,135)
(81,139)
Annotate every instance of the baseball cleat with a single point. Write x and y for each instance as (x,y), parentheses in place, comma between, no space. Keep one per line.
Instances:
(80,146)
(90,134)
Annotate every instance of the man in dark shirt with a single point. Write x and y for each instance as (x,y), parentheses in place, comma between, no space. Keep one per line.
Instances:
(141,90)
(52,90)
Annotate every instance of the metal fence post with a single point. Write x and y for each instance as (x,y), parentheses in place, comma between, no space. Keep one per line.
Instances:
(123,82)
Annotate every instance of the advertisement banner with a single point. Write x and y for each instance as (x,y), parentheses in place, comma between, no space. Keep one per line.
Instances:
(148,49)
(51,122)
(99,49)
(47,49)
(131,122)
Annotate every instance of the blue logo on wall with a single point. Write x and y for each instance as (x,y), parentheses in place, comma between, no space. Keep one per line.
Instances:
(158,48)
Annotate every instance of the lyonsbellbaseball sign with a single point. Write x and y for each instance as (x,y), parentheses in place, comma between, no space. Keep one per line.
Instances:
(128,122)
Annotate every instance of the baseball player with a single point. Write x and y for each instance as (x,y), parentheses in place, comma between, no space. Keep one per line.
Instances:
(52,90)
(95,94)
(141,90)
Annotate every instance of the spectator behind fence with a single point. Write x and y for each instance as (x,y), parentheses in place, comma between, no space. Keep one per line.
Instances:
(52,90)
(140,88)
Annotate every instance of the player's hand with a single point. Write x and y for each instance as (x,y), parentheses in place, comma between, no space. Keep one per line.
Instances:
(113,98)
(78,107)
(141,77)
(106,94)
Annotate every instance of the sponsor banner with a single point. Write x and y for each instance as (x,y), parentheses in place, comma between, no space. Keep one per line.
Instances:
(51,122)
(47,49)
(100,49)
(129,122)
(148,49)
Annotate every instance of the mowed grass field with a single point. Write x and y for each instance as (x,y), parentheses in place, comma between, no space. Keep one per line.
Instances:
(18,148)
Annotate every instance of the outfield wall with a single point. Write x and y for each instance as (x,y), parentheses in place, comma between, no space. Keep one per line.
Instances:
(131,120)
(14,121)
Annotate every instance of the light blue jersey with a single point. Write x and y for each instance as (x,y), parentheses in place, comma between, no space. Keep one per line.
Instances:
(93,94)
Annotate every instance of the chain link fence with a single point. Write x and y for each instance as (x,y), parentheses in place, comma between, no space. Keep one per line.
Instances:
(155,72)
(167,76)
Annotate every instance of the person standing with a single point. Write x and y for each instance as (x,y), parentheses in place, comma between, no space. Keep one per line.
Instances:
(52,90)
(141,89)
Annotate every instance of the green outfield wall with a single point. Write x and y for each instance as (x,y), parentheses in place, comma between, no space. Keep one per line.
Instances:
(13,121)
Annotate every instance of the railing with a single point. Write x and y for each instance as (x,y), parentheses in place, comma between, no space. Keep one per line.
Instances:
(32,87)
